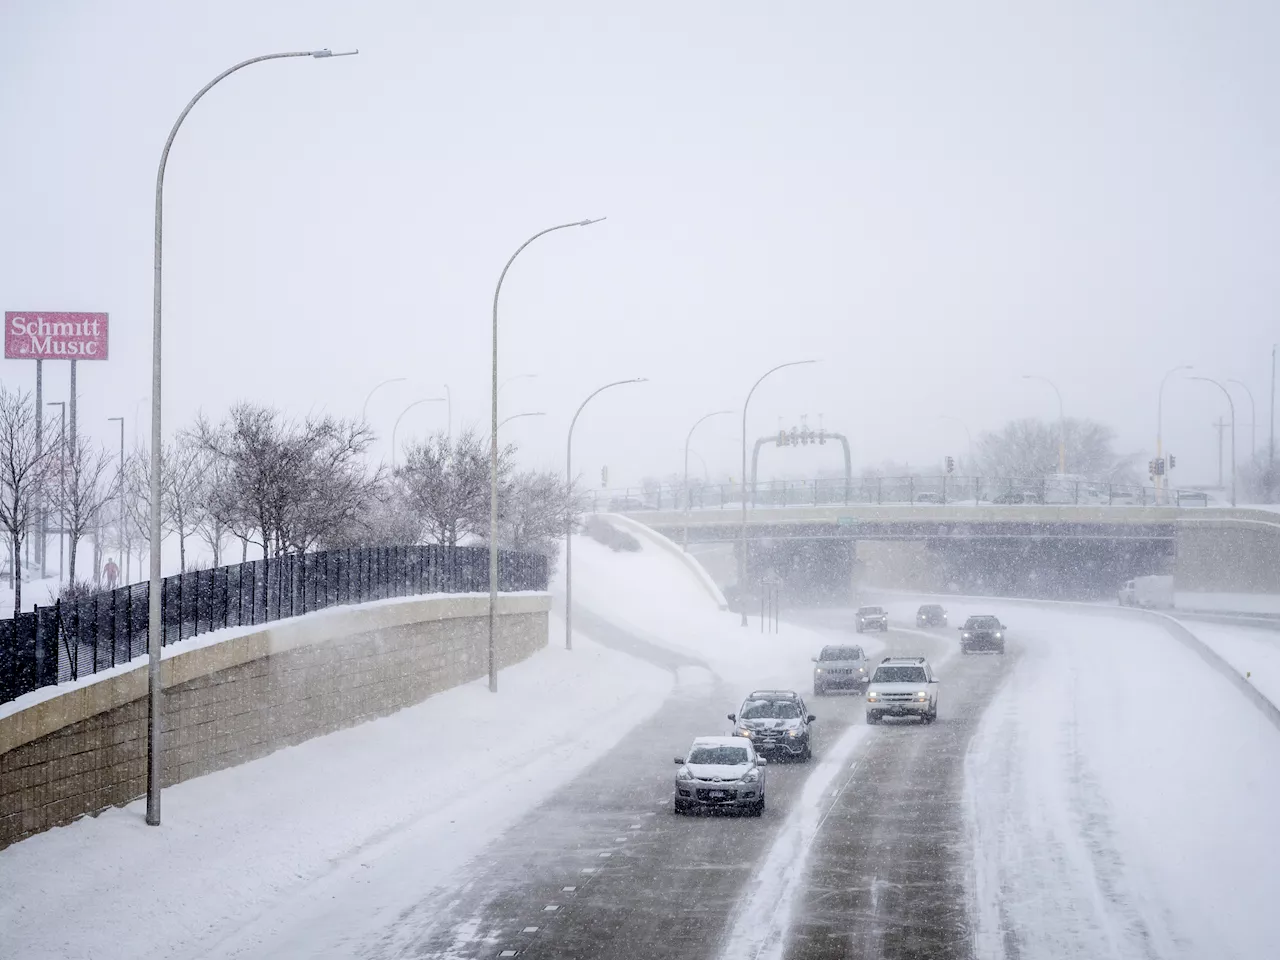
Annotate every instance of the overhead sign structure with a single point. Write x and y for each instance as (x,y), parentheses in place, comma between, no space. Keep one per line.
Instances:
(55,336)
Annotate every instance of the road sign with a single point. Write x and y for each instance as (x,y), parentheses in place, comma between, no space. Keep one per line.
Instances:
(55,336)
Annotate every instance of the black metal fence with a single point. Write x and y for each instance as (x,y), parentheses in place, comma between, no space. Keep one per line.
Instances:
(70,640)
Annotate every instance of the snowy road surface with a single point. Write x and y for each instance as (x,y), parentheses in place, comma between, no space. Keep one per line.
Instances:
(1096,792)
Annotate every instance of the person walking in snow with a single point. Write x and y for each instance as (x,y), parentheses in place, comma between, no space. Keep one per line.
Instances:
(112,573)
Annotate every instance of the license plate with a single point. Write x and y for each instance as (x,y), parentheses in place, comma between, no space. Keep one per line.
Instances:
(717,794)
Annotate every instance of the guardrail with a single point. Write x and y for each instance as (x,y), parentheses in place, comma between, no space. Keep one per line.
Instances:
(66,641)
(914,490)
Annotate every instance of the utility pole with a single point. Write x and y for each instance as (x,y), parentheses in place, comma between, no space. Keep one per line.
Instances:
(1220,426)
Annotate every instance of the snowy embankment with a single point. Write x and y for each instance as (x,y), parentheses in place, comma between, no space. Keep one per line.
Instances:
(1119,795)
(1254,654)
(324,842)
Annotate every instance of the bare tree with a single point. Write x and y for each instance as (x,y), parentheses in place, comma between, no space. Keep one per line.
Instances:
(87,488)
(24,473)
(137,500)
(534,509)
(1029,448)
(445,483)
(184,490)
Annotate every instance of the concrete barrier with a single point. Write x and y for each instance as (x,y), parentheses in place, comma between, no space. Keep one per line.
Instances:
(670,546)
(66,752)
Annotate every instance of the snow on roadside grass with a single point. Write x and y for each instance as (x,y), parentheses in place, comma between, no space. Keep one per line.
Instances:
(374,811)
(1255,653)
(1118,793)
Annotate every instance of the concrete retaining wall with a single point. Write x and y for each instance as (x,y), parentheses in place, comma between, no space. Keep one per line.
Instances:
(1236,551)
(84,750)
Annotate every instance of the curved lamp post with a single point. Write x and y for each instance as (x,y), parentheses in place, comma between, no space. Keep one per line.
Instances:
(688,500)
(493,453)
(1231,403)
(1062,421)
(154,625)
(517,416)
(742,533)
(1160,420)
(1253,420)
(364,408)
(568,520)
(396,426)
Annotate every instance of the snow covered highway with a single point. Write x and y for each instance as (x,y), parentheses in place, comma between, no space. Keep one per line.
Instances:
(1096,791)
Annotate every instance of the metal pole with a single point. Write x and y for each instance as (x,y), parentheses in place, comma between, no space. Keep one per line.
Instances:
(968,436)
(41,520)
(1160,425)
(568,517)
(493,454)
(742,533)
(1230,403)
(364,409)
(71,437)
(153,599)
(688,501)
(62,479)
(517,416)
(1062,421)
(1253,419)
(1271,456)
(396,425)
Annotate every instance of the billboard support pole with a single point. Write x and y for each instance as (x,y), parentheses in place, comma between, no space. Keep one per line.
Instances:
(40,521)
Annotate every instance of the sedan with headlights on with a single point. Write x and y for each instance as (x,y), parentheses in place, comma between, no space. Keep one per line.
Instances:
(720,772)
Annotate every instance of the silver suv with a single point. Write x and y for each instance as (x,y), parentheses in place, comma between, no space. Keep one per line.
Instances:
(903,687)
(871,618)
(720,772)
(840,668)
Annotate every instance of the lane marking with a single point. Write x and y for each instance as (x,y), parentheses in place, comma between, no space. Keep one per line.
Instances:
(606,853)
(507,953)
(568,889)
(529,930)
(588,869)
(551,908)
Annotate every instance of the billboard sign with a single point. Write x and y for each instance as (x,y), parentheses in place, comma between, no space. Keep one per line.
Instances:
(55,336)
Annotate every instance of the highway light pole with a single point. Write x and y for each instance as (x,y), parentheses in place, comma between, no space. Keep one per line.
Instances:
(742,533)
(364,409)
(1253,420)
(688,501)
(1231,403)
(1062,422)
(568,517)
(154,613)
(517,416)
(396,425)
(493,454)
(1160,422)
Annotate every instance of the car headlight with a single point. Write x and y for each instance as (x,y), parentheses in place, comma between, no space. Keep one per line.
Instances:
(817,669)
(862,669)
(683,775)
(871,695)
(742,733)
(794,732)
(965,636)
(751,776)
(999,636)
(922,695)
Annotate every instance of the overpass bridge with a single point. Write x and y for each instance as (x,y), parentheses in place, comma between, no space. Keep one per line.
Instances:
(1075,550)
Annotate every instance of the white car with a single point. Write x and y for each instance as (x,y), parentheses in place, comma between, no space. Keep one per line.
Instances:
(720,772)
(903,687)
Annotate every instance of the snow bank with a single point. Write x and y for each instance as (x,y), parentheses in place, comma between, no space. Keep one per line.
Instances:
(1255,654)
(371,817)
(1118,795)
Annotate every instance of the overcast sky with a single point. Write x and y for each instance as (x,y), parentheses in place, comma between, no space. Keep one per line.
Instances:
(931,199)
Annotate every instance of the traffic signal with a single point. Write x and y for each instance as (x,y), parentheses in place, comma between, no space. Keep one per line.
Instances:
(1151,469)
(822,436)
(604,476)
(1173,461)
(782,438)
(795,437)
(951,465)
(1160,466)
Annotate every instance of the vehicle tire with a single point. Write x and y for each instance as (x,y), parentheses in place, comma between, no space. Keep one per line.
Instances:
(872,718)
(1000,649)
(756,809)
(964,649)
(819,691)
(680,807)
(858,628)
(808,754)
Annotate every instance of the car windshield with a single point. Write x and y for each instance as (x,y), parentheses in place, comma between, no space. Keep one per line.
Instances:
(899,675)
(871,610)
(982,623)
(719,756)
(931,608)
(841,653)
(770,710)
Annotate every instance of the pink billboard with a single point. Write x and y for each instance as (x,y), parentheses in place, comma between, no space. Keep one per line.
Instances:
(55,336)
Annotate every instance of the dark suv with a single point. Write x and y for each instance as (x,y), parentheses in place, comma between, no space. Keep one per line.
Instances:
(776,722)
(931,615)
(982,633)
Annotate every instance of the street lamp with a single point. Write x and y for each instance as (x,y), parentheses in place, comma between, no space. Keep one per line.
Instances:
(568,519)
(1253,421)
(1062,422)
(517,416)
(688,501)
(396,425)
(518,376)
(120,482)
(493,453)
(1160,420)
(1231,403)
(947,416)
(742,533)
(62,481)
(364,409)
(154,624)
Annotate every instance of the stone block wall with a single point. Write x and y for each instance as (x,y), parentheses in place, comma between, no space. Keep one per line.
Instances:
(235,701)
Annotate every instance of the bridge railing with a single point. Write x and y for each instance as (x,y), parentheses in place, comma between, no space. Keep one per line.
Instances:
(924,490)
(75,638)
